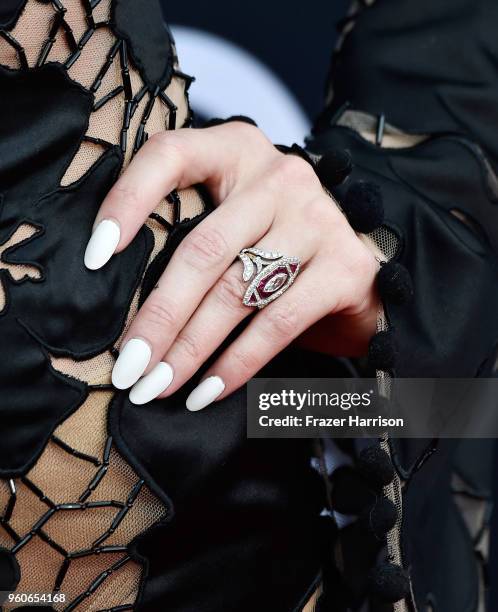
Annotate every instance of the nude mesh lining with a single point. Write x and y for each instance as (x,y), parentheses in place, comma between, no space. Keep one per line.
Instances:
(93,411)
(88,154)
(102,12)
(31,31)
(63,479)
(36,554)
(366,125)
(95,371)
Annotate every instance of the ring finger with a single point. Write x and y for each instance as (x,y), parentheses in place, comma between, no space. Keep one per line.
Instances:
(271,330)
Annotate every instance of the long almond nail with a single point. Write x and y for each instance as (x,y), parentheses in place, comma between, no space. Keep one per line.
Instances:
(205,393)
(102,244)
(150,386)
(131,364)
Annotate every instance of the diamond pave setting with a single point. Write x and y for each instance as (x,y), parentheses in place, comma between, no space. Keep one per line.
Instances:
(270,274)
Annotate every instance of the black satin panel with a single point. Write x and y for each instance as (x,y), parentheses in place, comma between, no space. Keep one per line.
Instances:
(474,466)
(428,66)
(41,107)
(150,42)
(436,542)
(33,399)
(468,190)
(91,307)
(9,13)
(450,329)
(244,533)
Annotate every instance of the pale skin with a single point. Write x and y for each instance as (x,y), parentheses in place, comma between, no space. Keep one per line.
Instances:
(262,198)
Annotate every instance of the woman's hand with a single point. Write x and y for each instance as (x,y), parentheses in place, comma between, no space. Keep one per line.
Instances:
(264,199)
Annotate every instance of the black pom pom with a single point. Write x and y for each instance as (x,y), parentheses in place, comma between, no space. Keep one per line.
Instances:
(217,121)
(363,206)
(380,518)
(334,167)
(382,351)
(376,466)
(394,283)
(389,582)
(350,493)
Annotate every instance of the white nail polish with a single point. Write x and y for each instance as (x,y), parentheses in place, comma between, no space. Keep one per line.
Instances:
(205,393)
(102,244)
(131,363)
(150,386)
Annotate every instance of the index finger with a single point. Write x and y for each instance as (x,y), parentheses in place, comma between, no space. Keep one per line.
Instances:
(168,161)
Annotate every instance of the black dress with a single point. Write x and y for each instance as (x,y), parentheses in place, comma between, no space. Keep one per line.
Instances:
(154,508)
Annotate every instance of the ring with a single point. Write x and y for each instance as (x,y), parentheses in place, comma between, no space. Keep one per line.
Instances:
(270,273)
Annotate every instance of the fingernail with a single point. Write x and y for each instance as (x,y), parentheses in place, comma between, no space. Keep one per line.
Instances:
(131,363)
(205,393)
(150,386)
(102,244)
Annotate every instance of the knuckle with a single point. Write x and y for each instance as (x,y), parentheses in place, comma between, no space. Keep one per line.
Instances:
(229,291)
(247,131)
(205,247)
(168,145)
(158,314)
(188,345)
(294,171)
(282,321)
